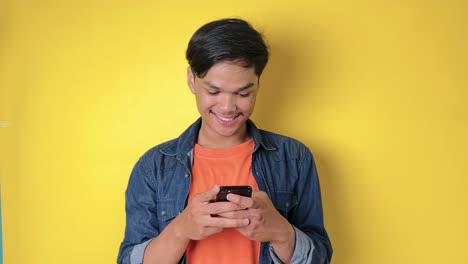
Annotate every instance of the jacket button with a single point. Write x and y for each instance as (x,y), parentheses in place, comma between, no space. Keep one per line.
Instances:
(163,212)
(186,175)
(287,204)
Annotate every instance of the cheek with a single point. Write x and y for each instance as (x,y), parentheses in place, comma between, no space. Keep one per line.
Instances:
(204,102)
(247,104)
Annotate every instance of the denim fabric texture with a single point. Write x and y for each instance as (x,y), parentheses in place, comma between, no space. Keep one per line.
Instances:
(283,167)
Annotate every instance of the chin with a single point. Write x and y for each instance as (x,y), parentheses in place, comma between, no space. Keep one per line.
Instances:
(227,133)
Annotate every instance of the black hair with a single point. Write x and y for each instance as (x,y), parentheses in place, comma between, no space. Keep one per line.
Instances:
(227,39)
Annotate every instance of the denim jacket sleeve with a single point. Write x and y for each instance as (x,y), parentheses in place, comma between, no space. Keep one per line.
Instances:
(302,252)
(312,243)
(141,219)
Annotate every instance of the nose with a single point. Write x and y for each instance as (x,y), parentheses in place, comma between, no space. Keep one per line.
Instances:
(227,104)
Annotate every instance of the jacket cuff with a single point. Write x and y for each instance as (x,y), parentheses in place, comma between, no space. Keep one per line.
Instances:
(138,251)
(303,248)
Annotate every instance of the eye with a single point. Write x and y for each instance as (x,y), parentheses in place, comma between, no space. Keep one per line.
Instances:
(211,92)
(244,94)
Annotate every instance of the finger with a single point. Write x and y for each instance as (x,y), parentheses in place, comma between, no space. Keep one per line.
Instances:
(208,231)
(245,202)
(239,214)
(220,222)
(222,207)
(207,196)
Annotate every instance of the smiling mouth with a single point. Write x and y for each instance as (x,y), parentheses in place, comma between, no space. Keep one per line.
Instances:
(226,120)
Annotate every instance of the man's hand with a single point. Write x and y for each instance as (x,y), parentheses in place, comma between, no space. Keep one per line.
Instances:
(266,223)
(196,221)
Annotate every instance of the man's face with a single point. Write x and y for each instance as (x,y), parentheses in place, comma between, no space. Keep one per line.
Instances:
(225,100)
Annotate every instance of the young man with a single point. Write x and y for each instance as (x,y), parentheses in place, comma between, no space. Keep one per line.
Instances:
(170,216)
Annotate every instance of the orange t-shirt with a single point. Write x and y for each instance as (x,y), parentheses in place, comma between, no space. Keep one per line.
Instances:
(230,166)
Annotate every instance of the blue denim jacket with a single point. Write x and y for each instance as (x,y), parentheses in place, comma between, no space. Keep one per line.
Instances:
(283,167)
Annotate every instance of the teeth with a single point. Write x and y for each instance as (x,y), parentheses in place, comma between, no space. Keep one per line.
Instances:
(225,119)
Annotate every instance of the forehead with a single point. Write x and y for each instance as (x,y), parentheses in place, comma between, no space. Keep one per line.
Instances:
(228,72)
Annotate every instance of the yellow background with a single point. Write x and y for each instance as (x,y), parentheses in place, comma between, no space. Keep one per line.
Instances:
(378,91)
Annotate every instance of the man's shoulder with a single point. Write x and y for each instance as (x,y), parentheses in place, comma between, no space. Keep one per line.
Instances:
(168,148)
(283,143)
(179,145)
(276,138)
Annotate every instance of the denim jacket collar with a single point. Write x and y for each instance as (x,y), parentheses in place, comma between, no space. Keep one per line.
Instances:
(185,142)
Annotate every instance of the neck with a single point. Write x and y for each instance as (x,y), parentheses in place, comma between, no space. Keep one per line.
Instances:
(209,139)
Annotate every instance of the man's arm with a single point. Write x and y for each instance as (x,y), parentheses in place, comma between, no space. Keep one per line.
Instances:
(141,221)
(312,242)
(299,239)
(168,247)
(144,240)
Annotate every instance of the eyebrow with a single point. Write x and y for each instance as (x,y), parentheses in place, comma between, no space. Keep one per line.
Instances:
(245,87)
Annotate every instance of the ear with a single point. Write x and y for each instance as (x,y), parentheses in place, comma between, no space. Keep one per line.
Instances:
(191,79)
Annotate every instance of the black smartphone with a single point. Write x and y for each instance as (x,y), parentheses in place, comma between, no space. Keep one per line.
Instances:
(243,190)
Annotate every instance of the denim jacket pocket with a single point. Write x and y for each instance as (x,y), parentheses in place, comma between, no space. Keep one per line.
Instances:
(167,210)
(284,202)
